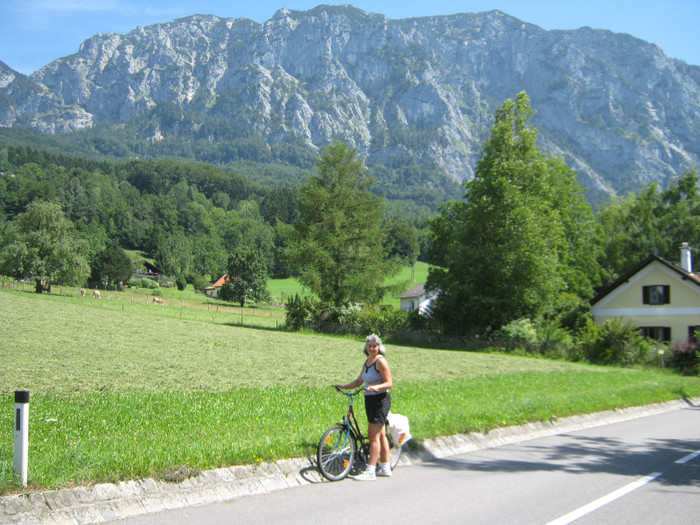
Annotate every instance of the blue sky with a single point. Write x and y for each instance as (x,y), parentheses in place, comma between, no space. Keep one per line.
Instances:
(33,33)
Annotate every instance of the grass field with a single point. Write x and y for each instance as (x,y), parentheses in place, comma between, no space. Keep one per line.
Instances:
(124,389)
(283,289)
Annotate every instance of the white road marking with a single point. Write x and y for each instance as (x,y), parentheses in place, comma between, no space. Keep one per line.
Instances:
(595,505)
(689,457)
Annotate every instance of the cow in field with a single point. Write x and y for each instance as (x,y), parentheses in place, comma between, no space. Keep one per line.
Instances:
(82,292)
(158,300)
(96,294)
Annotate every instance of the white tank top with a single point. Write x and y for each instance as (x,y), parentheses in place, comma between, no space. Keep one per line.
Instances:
(372,377)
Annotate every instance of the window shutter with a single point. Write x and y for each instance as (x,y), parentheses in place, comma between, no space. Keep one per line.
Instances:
(667,333)
(645,295)
(667,294)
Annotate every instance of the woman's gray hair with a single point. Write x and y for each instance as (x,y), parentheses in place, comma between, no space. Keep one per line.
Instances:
(374,338)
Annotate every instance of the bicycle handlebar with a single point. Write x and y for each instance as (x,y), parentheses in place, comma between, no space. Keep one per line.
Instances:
(347,392)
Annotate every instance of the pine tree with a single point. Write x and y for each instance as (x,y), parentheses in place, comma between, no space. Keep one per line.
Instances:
(337,244)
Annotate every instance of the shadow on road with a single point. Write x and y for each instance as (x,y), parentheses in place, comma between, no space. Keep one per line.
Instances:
(590,454)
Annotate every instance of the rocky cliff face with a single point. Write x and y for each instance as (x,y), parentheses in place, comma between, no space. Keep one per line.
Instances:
(616,108)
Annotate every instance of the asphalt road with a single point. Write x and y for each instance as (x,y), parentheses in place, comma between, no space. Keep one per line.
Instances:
(641,471)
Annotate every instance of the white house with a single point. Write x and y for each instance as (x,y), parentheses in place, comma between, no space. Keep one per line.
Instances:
(660,297)
(215,289)
(417,299)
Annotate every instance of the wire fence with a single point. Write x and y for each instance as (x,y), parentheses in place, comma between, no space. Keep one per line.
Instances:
(165,303)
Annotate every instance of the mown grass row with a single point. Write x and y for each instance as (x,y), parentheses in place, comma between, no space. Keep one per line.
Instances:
(177,305)
(121,395)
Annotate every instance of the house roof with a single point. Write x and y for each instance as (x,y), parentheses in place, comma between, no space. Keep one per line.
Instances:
(149,266)
(218,284)
(416,291)
(152,267)
(605,290)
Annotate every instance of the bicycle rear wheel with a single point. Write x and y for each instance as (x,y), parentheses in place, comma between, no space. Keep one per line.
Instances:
(394,450)
(336,452)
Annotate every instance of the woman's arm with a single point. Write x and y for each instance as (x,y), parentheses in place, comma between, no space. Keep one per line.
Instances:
(355,384)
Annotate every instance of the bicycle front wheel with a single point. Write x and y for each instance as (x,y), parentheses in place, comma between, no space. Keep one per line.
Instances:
(336,452)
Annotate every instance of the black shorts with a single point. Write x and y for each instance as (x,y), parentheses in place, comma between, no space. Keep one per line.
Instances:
(377,407)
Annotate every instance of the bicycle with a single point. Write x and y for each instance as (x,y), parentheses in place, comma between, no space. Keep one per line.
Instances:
(338,449)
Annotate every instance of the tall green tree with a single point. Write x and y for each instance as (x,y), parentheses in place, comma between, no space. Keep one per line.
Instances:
(112,263)
(402,242)
(42,243)
(582,250)
(337,245)
(173,255)
(209,256)
(503,253)
(651,221)
(680,218)
(247,277)
(631,227)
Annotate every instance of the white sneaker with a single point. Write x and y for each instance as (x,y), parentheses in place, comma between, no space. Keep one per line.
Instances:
(365,476)
(386,472)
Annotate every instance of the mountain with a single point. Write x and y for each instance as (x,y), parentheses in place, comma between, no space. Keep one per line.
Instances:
(416,96)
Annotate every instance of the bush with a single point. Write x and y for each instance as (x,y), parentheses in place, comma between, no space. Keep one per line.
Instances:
(383,321)
(613,343)
(571,312)
(656,353)
(419,322)
(298,310)
(685,357)
(200,282)
(166,282)
(144,283)
(148,283)
(353,319)
(553,340)
(516,335)
(345,315)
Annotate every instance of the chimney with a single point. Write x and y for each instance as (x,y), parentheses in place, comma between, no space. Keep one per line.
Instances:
(686,258)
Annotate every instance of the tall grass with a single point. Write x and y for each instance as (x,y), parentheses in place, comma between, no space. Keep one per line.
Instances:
(121,393)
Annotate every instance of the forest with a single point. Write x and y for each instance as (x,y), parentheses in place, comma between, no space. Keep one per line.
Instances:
(186,217)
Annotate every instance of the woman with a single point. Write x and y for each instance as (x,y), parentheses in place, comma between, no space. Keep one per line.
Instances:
(376,377)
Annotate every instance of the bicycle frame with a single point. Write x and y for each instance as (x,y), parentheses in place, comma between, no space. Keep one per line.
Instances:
(350,421)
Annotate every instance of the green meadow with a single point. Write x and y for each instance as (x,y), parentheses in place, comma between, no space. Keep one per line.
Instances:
(122,388)
(283,289)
